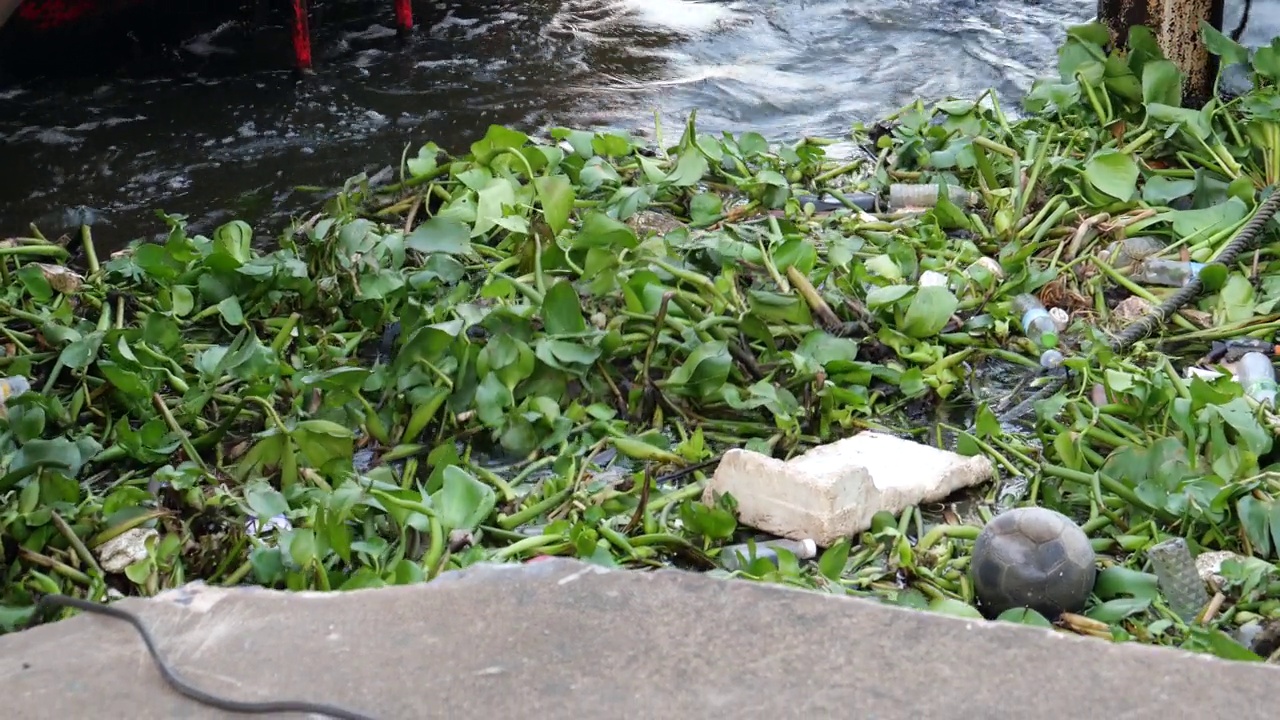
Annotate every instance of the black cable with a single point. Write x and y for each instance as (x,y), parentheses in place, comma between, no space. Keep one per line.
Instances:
(185,688)
(1244,20)
(1140,328)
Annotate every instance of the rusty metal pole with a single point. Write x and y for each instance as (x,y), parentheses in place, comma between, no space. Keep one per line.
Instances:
(404,15)
(1176,25)
(301,32)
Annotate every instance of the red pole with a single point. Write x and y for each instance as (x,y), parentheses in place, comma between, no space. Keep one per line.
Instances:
(301,36)
(404,15)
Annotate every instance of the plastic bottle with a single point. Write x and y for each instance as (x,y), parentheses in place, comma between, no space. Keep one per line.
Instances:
(1178,578)
(906,195)
(1037,324)
(1169,273)
(736,557)
(1011,492)
(12,387)
(1051,359)
(1257,376)
(1131,251)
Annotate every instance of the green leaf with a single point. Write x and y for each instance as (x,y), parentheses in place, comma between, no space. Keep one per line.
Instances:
(302,546)
(265,501)
(885,267)
(183,302)
(715,523)
(440,235)
(321,441)
(929,311)
(888,294)
(704,372)
(230,311)
(425,162)
(561,310)
(80,354)
(833,560)
(1025,616)
(556,194)
(1161,190)
(234,240)
(462,502)
(492,204)
(690,168)
(496,138)
(1204,222)
(1221,645)
(1231,52)
(601,231)
(1162,83)
(956,608)
(1255,517)
(1113,173)
(1266,60)
(35,283)
(705,208)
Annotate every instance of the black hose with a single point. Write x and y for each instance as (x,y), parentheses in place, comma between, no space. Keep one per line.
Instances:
(184,687)
(1137,330)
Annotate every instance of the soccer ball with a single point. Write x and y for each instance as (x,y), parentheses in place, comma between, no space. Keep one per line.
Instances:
(1032,558)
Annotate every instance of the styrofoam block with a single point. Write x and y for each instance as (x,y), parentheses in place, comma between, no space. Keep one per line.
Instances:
(833,490)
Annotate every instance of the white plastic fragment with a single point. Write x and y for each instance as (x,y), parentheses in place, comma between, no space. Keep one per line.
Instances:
(124,549)
(932,278)
(832,491)
(1206,374)
(279,522)
(990,265)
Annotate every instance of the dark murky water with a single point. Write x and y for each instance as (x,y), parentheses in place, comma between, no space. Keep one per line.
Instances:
(220,128)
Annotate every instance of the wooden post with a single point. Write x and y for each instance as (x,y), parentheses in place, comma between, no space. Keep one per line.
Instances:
(1176,24)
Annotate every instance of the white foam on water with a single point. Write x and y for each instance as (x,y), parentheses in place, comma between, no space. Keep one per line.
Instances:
(688,16)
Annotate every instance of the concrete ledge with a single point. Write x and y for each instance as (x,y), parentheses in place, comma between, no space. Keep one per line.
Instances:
(562,639)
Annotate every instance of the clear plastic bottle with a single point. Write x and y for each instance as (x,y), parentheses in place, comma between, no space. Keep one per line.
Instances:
(736,557)
(12,387)
(907,195)
(1257,376)
(1051,359)
(1131,251)
(1037,323)
(1168,273)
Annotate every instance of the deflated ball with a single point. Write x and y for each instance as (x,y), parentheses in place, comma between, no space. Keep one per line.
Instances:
(1033,558)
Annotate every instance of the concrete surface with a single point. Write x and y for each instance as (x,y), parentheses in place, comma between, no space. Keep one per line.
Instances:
(561,639)
(833,490)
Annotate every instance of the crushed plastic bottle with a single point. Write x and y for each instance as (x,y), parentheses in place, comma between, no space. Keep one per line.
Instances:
(1179,580)
(907,195)
(1011,493)
(1257,376)
(13,386)
(736,557)
(1037,323)
(1131,251)
(1167,273)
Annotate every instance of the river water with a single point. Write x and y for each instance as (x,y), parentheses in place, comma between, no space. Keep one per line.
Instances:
(218,127)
